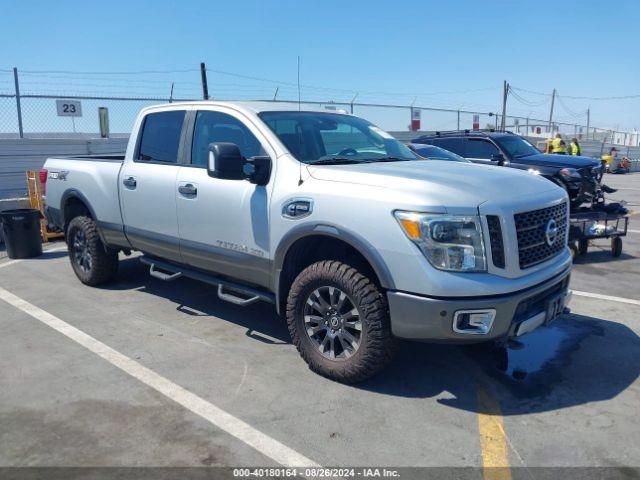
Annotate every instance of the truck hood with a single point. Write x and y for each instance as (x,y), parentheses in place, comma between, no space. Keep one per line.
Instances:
(560,161)
(441,183)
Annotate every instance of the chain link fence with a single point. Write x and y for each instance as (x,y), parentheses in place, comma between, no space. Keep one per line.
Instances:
(47,133)
(39,118)
(28,105)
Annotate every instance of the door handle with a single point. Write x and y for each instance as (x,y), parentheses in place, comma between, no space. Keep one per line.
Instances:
(188,189)
(130,182)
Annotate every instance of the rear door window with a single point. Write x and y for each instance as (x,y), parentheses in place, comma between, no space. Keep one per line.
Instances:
(479,148)
(160,137)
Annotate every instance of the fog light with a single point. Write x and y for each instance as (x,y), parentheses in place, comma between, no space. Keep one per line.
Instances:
(474,322)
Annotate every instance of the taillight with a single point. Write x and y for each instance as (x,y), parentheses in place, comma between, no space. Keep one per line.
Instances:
(43,180)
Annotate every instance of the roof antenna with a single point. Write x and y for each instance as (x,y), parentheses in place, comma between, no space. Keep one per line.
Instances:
(298,82)
(300,181)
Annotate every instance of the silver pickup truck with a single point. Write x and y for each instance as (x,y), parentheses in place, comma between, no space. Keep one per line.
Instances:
(354,238)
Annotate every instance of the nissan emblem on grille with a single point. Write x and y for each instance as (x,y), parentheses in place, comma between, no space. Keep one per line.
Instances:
(551,233)
(540,234)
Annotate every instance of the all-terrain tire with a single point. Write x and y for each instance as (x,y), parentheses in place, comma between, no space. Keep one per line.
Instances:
(377,344)
(100,265)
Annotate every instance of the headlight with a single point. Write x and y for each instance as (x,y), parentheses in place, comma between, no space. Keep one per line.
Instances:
(449,242)
(570,173)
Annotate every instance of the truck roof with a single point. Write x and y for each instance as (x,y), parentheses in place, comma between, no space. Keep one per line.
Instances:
(250,106)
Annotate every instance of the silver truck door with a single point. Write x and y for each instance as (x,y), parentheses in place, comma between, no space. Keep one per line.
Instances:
(148,186)
(224,224)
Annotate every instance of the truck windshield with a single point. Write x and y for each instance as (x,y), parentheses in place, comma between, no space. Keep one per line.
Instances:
(325,138)
(517,146)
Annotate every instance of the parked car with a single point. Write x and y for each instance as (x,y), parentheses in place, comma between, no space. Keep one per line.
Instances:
(579,176)
(432,152)
(325,216)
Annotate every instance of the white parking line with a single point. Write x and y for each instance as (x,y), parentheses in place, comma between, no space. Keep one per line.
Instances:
(216,416)
(11,262)
(633,231)
(630,301)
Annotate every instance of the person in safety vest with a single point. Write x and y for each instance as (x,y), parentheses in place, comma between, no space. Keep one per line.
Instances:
(548,146)
(575,147)
(558,145)
(609,161)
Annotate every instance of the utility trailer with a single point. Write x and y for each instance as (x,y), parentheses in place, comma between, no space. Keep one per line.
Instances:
(594,225)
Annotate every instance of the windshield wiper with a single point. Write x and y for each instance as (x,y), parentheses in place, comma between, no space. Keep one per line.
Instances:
(388,159)
(334,161)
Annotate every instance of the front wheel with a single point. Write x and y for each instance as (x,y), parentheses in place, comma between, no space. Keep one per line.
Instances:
(91,262)
(339,322)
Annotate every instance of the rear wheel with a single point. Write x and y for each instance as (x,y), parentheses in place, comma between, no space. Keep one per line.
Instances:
(91,262)
(339,322)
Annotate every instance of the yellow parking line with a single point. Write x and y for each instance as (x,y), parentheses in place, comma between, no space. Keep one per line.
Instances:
(493,440)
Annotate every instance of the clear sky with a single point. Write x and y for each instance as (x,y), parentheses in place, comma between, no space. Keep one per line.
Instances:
(446,53)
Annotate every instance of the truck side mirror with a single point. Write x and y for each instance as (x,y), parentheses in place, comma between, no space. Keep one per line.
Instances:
(225,161)
(258,170)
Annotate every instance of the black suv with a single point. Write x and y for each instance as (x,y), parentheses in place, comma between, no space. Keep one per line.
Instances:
(579,176)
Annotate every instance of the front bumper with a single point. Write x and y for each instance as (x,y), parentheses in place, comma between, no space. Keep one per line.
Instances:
(423,318)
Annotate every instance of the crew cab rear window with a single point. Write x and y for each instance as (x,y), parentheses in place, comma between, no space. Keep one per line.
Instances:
(160,137)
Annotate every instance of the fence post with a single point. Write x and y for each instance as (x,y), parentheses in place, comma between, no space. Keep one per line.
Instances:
(205,85)
(18,106)
(458,120)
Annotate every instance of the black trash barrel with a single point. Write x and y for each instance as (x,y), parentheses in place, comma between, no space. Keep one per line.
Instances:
(21,229)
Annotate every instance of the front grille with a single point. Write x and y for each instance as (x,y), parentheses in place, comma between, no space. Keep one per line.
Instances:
(495,240)
(531,227)
(538,303)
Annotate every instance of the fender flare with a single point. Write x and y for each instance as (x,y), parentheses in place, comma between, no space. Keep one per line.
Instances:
(74,193)
(360,244)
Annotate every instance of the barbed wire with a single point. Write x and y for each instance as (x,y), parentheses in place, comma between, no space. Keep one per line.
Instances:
(135,72)
(579,97)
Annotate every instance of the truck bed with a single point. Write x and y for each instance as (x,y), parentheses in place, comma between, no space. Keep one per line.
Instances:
(95,177)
